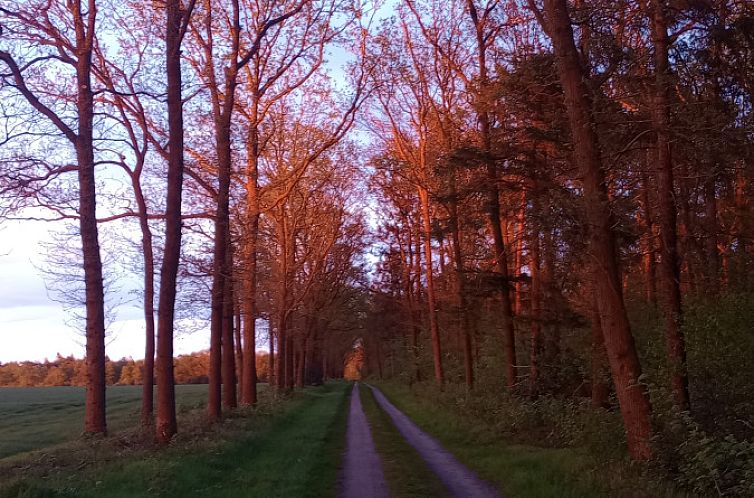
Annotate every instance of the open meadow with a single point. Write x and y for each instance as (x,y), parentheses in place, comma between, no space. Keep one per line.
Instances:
(32,418)
(287,446)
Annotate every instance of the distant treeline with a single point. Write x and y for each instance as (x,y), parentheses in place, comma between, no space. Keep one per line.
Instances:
(69,371)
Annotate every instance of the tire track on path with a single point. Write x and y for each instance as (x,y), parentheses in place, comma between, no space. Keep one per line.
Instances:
(362,469)
(459,479)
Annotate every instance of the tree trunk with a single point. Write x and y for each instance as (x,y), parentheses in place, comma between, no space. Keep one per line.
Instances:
(463,317)
(284,304)
(147,397)
(493,205)
(289,362)
(272,373)
(220,272)
(551,295)
(214,396)
(600,367)
(301,362)
(165,424)
(669,263)
(249,380)
(741,229)
(619,342)
(282,349)
(228,348)
(711,250)
(94,419)
(431,304)
(237,340)
(646,241)
(535,312)
(407,257)
(685,231)
(519,252)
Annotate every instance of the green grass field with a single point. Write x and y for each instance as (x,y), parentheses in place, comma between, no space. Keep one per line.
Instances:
(285,447)
(32,418)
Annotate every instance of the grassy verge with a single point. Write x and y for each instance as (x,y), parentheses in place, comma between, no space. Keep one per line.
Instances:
(406,473)
(288,449)
(522,471)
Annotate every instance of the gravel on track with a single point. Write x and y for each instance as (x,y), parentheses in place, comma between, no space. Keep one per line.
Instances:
(362,475)
(459,479)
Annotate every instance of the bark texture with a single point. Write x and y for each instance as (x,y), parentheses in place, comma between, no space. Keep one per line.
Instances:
(619,342)
(669,261)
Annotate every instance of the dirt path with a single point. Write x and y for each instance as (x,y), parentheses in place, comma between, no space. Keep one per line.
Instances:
(459,479)
(362,470)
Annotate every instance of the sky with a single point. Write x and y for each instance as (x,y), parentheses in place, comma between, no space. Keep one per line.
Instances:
(34,327)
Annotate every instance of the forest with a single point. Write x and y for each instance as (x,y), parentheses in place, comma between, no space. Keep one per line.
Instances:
(70,371)
(530,215)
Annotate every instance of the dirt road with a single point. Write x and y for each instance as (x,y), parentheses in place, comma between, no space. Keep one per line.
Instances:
(458,478)
(362,469)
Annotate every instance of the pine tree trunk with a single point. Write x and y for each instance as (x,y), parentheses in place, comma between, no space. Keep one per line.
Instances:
(600,367)
(535,312)
(619,342)
(669,263)
(646,242)
(710,243)
(493,207)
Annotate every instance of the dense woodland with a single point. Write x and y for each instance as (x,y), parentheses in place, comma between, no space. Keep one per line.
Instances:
(541,207)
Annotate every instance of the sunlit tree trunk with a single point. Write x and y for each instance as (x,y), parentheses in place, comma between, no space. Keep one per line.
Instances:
(249,380)
(619,342)
(94,420)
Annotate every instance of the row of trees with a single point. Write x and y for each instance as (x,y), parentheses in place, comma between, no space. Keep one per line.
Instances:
(541,166)
(535,169)
(70,371)
(212,133)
